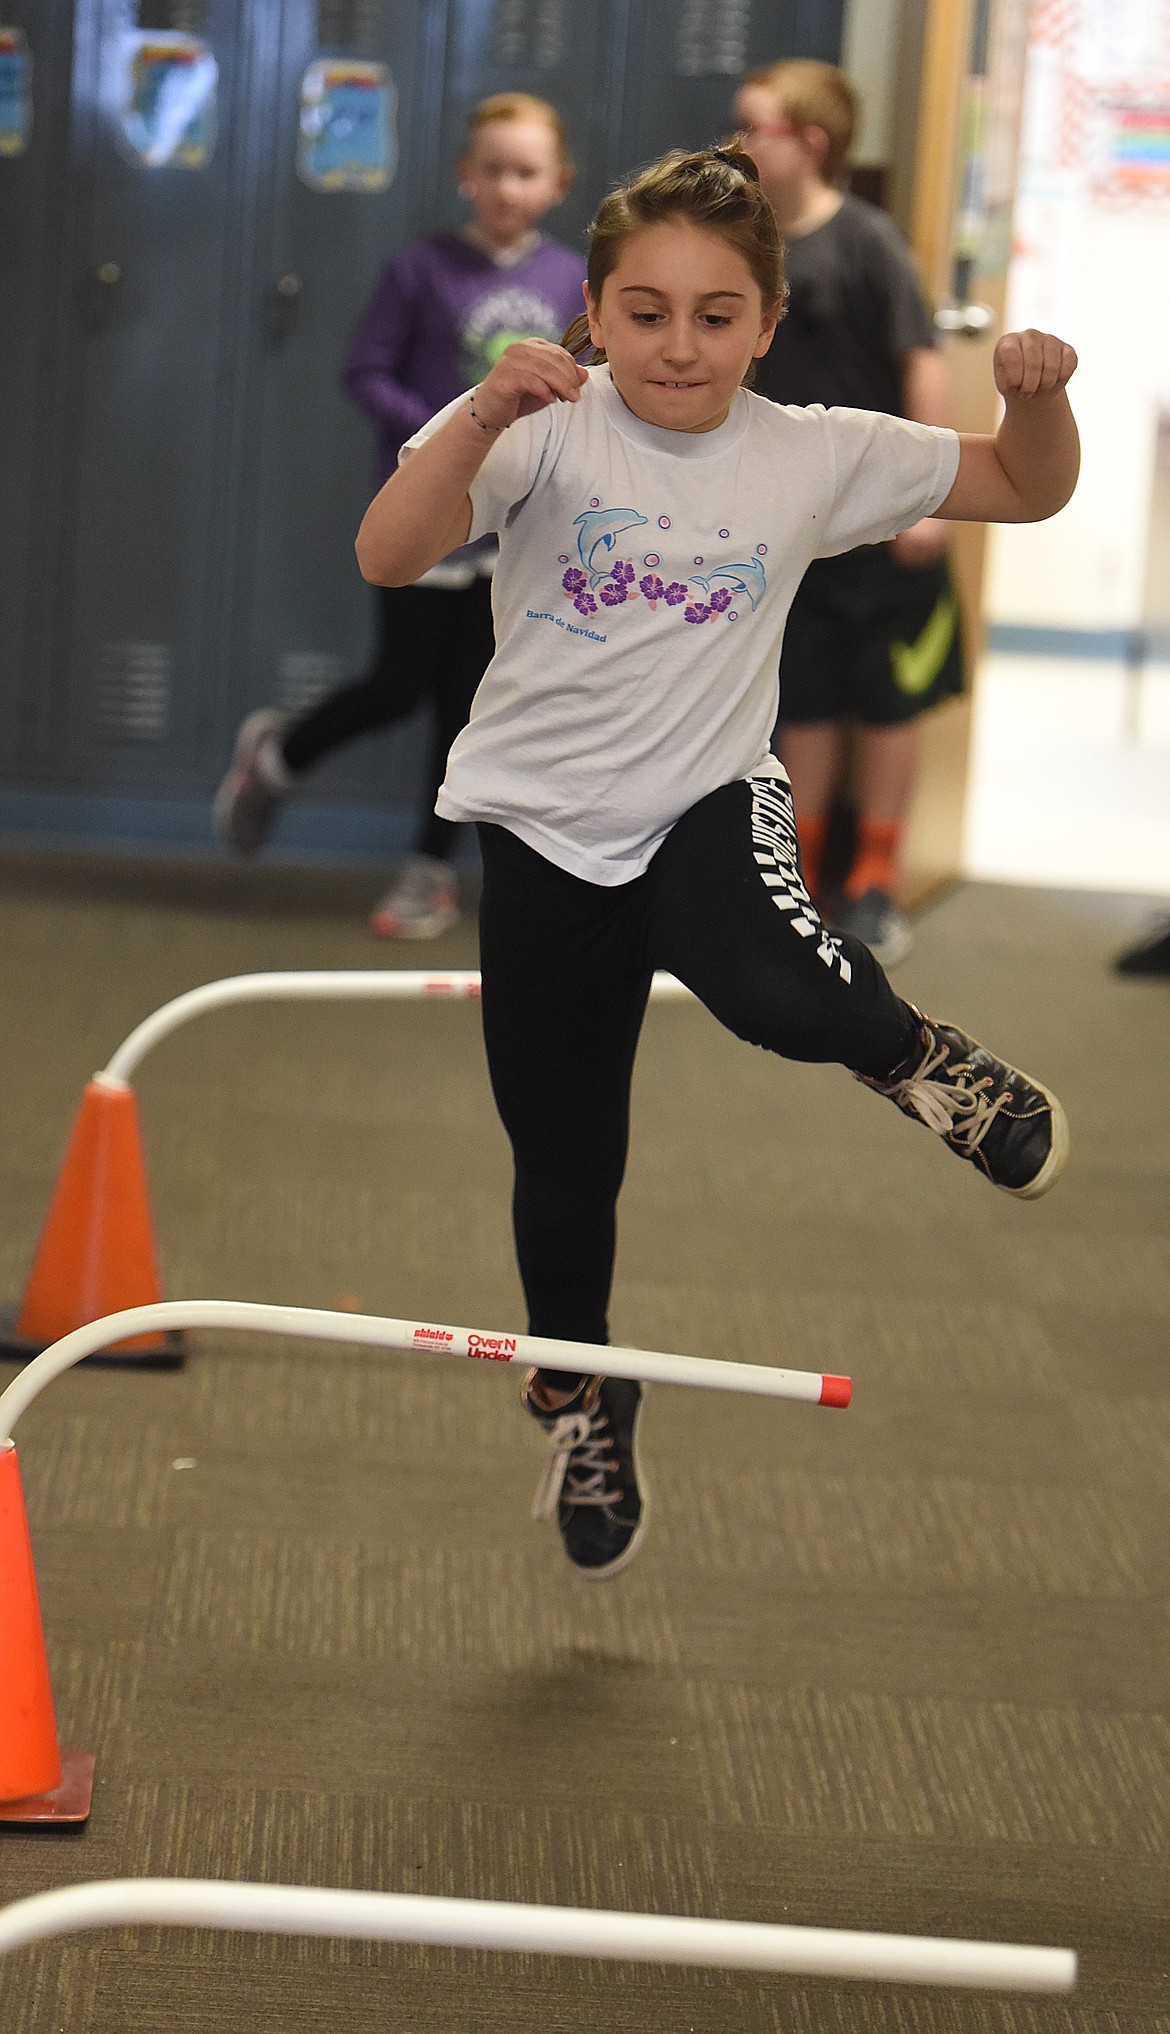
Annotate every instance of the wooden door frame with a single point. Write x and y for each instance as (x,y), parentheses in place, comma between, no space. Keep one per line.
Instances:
(934,834)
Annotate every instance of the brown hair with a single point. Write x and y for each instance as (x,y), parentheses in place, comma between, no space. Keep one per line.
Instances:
(717,188)
(812,94)
(520,106)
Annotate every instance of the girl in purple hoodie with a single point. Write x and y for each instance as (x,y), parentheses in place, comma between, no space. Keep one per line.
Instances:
(442,314)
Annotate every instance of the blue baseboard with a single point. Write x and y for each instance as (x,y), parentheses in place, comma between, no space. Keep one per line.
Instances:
(97,822)
(1112,646)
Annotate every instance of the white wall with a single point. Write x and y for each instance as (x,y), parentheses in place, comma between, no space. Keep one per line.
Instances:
(1102,280)
(1098,272)
(1070,775)
(1070,760)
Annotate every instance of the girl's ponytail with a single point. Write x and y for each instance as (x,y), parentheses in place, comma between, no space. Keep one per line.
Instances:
(576,340)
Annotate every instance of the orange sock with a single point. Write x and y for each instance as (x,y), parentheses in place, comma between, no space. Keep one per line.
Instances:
(811,831)
(875,866)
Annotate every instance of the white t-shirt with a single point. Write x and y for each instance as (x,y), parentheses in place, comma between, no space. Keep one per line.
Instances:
(639,601)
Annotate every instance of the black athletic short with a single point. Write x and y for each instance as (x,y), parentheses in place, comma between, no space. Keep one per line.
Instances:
(870,640)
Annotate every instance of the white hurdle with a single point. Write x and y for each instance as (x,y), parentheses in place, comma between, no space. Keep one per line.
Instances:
(107,1121)
(340,985)
(557,1931)
(374,1331)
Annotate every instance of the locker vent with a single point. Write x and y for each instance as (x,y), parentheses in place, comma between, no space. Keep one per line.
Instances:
(305,676)
(352,24)
(713,38)
(529,34)
(176,17)
(133,692)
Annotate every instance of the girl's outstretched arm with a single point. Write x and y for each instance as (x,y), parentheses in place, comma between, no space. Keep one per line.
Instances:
(424,509)
(1029,469)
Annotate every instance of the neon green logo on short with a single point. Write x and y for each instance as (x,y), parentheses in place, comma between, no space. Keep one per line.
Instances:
(916,665)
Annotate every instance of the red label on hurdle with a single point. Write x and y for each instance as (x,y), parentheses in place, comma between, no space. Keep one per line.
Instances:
(493,1348)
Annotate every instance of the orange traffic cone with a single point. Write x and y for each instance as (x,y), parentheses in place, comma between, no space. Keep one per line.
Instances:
(37,1782)
(96,1249)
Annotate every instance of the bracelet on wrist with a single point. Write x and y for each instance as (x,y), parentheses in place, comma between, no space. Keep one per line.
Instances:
(495,429)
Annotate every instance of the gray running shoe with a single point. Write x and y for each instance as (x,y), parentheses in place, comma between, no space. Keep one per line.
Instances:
(590,1485)
(246,806)
(877,922)
(984,1110)
(421,904)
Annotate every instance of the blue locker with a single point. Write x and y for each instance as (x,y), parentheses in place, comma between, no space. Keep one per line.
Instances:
(188,232)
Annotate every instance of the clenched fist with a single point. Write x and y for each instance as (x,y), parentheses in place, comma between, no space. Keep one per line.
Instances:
(1032,363)
(527,377)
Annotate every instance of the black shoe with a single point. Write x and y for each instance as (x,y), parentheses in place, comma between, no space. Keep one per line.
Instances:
(1150,956)
(590,1484)
(1005,1123)
(877,922)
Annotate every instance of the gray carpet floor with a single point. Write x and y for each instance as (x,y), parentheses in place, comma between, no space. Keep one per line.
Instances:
(903,1667)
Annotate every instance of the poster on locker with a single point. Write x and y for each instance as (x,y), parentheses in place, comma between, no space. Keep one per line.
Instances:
(348,138)
(15,92)
(167,101)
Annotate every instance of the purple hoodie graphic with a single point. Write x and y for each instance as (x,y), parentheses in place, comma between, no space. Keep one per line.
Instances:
(440,318)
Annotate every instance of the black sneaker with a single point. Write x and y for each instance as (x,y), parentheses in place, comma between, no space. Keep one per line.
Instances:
(877,922)
(590,1484)
(1005,1123)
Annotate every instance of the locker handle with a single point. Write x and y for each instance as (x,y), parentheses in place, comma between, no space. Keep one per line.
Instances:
(103,294)
(286,305)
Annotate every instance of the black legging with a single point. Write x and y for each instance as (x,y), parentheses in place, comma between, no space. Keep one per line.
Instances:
(434,643)
(566,974)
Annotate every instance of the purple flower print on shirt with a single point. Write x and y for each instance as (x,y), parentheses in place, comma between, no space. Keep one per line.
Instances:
(615,582)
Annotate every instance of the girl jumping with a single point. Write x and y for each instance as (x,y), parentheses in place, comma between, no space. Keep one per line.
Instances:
(655,520)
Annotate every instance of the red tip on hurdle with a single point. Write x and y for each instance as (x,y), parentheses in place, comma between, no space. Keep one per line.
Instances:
(836,1391)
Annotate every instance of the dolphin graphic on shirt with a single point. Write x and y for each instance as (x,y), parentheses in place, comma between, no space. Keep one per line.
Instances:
(597,533)
(748,579)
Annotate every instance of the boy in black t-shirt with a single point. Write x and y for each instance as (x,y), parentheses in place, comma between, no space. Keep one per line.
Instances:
(873,635)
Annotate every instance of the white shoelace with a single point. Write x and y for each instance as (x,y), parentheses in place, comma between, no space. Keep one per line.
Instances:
(943,1104)
(573,1434)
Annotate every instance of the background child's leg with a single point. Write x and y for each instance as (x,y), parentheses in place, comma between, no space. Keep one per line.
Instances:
(810,733)
(733,919)
(273,749)
(814,759)
(907,660)
(412,621)
(565,983)
(453,679)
